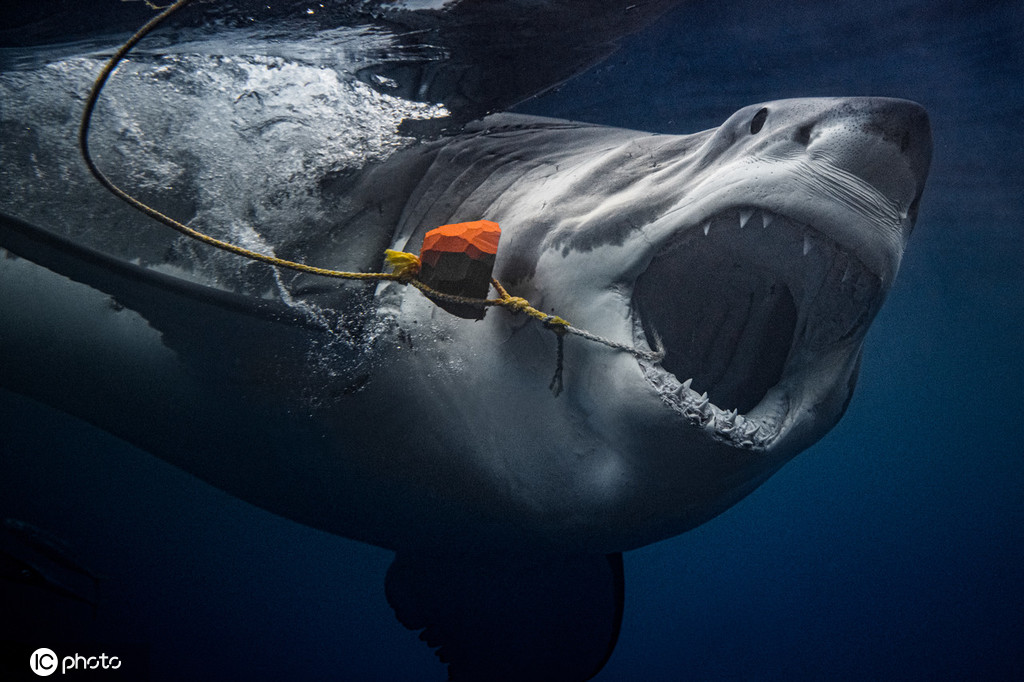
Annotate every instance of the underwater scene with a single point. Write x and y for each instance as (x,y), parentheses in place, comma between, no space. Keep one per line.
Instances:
(710,434)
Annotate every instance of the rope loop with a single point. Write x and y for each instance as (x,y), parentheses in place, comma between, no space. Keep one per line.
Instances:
(405,266)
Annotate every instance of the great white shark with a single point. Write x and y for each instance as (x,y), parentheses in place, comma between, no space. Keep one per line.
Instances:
(753,256)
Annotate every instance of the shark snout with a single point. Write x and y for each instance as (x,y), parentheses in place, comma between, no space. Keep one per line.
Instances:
(906,123)
(885,142)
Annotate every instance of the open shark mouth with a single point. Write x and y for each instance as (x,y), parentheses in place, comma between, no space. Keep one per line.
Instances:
(743,305)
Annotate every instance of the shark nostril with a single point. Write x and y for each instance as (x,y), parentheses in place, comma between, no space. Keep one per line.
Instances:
(803,134)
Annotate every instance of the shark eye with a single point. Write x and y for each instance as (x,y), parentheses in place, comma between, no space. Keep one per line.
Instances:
(757,122)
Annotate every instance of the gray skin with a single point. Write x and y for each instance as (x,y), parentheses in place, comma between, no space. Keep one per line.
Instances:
(758,252)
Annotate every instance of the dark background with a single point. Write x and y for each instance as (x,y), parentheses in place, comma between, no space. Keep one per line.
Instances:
(891,550)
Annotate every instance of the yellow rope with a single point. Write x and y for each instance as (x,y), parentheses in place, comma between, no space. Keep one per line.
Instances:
(405,266)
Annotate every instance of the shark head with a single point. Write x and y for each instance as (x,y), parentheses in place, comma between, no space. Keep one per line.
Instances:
(761,282)
(752,258)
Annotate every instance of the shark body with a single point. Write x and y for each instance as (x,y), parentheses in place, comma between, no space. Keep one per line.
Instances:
(754,256)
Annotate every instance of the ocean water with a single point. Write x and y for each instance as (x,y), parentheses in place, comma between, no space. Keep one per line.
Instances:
(890,550)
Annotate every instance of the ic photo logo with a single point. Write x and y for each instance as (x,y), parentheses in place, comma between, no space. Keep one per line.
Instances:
(44,662)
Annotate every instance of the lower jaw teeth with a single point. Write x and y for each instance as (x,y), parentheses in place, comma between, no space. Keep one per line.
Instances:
(754,430)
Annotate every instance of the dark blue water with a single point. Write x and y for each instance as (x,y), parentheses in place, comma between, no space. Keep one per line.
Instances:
(891,550)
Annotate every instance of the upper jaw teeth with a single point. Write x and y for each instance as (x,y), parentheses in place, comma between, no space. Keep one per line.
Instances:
(744,215)
(816,267)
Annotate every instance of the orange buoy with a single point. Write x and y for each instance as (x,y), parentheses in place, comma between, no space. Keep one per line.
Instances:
(458,259)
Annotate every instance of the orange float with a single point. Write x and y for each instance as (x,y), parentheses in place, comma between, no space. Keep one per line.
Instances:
(458,259)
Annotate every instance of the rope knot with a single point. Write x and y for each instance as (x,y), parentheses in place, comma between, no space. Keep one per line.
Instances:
(516,303)
(405,265)
(558,324)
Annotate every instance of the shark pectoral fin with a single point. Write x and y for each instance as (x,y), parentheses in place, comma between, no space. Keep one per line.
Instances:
(220,333)
(144,290)
(512,618)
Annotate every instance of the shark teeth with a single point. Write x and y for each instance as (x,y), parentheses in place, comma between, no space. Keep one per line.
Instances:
(745,336)
(744,431)
(844,276)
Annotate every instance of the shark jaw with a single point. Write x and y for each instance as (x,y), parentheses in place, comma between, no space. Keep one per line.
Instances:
(750,308)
